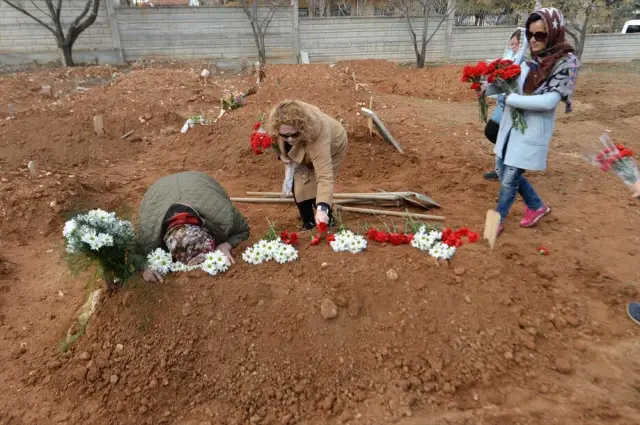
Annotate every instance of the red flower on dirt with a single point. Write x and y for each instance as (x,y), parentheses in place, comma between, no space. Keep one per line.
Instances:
(316,240)
(382,237)
(331,238)
(289,238)
(372,234)
(543,251)
(260,140)
(396,239)
(322,228)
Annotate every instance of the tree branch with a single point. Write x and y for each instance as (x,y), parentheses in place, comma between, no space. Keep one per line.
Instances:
(92,17)
(444,18)
(41,11)
(267,20)
(20,9)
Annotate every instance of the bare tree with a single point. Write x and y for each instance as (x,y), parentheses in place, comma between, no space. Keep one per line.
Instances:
(260,26)
(65,42)
(578,14)
(422,10)
(318,7)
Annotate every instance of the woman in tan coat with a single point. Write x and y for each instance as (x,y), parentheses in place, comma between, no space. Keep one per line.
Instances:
(316,144)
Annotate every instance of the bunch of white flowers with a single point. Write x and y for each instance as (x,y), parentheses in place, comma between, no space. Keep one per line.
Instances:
(214,262)
(265,250)
(348,241)
(95,230)
(431,242)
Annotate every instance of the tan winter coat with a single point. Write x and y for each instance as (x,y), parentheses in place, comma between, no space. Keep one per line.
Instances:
(321,151)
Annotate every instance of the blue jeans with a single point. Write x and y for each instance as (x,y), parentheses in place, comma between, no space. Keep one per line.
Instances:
(512,182)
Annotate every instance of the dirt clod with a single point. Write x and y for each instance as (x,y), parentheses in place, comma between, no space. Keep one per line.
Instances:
(328,309)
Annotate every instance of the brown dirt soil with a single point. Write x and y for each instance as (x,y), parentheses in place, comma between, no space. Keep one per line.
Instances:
(497,337)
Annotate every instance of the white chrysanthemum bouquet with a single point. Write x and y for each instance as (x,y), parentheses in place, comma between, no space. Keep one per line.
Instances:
(431,241)
(214,263)
(102,239)
(279,248)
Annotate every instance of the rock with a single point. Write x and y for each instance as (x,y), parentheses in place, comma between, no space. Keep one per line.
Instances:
(392,274)
(168,131)
(93,374)
(119,347)
(459,271)
(255,419)
(545,272)
(84,356)
(563,365)
(448,388)
(415,382)
(508,355)
(328,309)
(580,345)
(113,379)
(328,402)
(286,419)
(573,320)
(46,91)
(60,417)
(325,264)
(559,322)
(341,301)
(205,73)
(79,373)
(54,364)
(467,299)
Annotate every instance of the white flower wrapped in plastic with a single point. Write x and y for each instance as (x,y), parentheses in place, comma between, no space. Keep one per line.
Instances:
(101,238)
(431,241)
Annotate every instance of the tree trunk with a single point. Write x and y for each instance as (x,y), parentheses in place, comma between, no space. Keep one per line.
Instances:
(422,57)
(262,50)
(65,53)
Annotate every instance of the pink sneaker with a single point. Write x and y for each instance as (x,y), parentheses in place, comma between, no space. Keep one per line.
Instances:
(531,218)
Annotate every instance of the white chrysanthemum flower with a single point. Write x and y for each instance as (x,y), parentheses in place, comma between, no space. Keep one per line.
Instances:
(270,249)
(101,217)
(104,240)
(252,256)
(347,241)
(69,227)
(160,261)
(220,261)
(210,268)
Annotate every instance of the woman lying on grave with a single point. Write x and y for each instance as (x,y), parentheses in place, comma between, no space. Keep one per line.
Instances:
(545,81)
(189,214)
(315,145)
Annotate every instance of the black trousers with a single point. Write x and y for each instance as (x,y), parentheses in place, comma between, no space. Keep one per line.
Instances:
(491,131)
(307,211)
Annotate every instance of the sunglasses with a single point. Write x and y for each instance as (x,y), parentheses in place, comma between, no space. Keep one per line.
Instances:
(539,36)
(290,136)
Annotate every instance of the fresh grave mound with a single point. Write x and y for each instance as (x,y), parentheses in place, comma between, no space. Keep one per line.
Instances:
(438,83)
(253,342)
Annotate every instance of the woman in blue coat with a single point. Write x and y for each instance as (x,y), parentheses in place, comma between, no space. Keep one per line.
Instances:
(544,81)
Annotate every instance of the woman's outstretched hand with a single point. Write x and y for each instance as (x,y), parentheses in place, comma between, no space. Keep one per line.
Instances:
(321,217)
(226,248)
(152,276)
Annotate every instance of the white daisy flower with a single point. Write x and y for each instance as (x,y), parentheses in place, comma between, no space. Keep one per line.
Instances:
(69,227)
(210,268)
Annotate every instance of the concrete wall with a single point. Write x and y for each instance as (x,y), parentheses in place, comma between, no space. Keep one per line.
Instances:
(334,39)
(223,34)
(24,40)
(207,32)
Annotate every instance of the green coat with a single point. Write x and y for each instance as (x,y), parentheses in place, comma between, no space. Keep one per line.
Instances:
(198,191)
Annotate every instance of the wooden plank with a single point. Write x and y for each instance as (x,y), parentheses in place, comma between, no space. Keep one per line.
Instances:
(98,125)
(390,213)
(491,225)
(382,129)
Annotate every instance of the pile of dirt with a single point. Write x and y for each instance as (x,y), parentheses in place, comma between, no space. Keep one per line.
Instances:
(437,83)
(503,336)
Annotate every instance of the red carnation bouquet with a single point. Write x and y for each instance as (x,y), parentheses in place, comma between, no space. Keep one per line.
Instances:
(476,75)
(260,139)
(503,74)
(616,158)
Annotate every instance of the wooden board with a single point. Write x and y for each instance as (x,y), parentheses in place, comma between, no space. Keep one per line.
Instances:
(98,125)
(491,225)
(370,120)
(382,129)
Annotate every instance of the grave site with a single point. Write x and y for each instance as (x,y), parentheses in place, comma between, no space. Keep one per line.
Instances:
(531,331)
